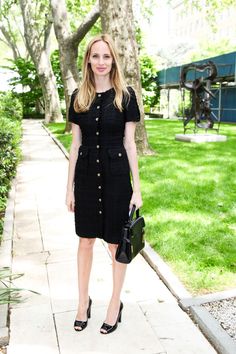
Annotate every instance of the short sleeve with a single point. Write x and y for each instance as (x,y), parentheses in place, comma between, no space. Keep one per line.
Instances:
(73,115)
(131,109)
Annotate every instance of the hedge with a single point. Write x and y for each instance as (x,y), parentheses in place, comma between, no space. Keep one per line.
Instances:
(10,135)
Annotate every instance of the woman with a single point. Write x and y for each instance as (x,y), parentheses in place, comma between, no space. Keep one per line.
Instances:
(103,113)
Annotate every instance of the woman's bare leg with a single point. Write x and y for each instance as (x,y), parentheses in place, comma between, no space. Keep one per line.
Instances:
(84,263)
(118,272)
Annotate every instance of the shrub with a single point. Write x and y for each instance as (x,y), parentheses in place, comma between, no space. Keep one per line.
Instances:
(150,89)
(10,134)
(10,106)
(26,75)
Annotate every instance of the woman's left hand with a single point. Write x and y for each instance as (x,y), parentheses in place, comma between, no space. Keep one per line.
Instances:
(136,200)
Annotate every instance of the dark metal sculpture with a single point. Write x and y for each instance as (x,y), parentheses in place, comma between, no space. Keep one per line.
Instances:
(201,95)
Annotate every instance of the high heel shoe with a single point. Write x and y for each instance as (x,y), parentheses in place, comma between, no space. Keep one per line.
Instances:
(83,324)
(108,328)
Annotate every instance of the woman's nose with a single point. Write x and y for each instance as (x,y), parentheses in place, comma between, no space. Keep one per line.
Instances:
(101,60)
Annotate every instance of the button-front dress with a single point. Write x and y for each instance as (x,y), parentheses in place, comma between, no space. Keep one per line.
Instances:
(102,180)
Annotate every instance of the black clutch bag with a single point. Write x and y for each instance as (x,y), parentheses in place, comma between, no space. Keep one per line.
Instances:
(132,241)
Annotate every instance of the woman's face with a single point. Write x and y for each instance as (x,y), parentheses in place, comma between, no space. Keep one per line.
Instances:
(100,59)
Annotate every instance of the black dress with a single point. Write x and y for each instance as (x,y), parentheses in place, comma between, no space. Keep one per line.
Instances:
(102,184)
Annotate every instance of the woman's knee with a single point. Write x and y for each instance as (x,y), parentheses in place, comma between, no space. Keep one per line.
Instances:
(86,243)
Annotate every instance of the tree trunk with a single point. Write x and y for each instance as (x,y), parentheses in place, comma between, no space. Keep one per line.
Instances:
(117,20)
(40,55)
(68,46)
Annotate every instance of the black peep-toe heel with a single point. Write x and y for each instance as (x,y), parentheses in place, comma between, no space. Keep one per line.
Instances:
(83,324)
(108,328)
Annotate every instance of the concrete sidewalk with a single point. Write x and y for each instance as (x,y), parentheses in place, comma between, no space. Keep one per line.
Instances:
(44,249)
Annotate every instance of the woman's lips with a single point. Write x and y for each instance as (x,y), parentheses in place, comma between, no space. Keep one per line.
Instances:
(101,69)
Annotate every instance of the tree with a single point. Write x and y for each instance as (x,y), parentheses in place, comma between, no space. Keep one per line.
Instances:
(68,42)
(8,13)
(26,75)
(37,29)
(150,89)
(117,20)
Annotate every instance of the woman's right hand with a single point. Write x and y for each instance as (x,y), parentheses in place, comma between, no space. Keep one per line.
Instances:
(70,200)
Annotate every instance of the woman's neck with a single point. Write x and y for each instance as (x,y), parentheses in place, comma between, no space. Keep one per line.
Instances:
(102,83)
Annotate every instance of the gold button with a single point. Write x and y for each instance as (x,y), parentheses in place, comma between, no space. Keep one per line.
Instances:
(97,119)
(99,187)
(98,146)
(98,174)
(97,160)
(120,154)
(98,107)
(97,133)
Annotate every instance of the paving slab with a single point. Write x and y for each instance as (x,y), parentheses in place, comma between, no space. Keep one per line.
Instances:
(44,249)
(32,331)
(173,329)
(136,338)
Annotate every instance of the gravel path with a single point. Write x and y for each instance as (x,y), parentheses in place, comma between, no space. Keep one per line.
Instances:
(224,311)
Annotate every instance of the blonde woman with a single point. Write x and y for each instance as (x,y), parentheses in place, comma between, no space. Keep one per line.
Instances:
(103,112)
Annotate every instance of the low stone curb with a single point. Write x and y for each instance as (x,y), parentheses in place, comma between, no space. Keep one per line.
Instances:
(57,142)
(200,300)
(6,260)
(221,341)
(210,327)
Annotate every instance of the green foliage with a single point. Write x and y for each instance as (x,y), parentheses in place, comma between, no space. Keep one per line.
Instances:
(209,50)
(150,90)
(147,7)
(213,5)
(210,8)
(55,61)
(6,6)
(77,10)
(9,294)
(26,76)
(10,134)
(10,106)
(138,36)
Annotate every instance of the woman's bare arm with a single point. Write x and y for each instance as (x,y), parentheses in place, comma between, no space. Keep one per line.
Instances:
(130,146)
(76,142)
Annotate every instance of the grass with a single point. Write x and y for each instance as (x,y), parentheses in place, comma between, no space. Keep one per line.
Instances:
(189,195)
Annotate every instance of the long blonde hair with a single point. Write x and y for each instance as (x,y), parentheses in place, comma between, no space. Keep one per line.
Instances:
(87,91)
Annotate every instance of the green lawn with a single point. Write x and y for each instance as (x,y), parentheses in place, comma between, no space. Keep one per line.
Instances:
(189,194)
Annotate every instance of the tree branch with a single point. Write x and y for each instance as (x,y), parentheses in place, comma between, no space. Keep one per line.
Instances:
(10,41)
(19,30)
(6,43)
(47,33)
(85,26)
